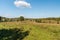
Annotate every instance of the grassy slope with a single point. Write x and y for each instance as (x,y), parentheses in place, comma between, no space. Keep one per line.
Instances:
(38,31)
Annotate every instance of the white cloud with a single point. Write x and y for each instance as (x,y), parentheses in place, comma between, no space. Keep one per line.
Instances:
(22,3)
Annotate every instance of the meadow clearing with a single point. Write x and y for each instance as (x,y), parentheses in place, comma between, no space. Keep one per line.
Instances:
(33,31)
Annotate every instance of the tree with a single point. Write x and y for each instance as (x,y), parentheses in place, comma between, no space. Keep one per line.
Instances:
(0,18)
(38,20)
(21,18)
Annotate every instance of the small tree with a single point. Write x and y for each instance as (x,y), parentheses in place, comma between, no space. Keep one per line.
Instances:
(21,18)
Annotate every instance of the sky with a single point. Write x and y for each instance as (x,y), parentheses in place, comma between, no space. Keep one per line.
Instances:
(30,8)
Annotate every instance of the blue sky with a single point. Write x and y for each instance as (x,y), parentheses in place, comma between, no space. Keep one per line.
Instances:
(39,9)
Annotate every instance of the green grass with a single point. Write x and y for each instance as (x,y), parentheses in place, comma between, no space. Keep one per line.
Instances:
(36,31)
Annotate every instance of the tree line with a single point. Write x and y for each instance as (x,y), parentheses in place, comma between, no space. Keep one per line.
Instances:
(38,20)
(4,19)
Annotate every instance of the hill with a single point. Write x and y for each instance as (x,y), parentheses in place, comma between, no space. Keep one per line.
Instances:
(29,31)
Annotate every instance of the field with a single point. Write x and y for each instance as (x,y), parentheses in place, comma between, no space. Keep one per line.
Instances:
(29,31)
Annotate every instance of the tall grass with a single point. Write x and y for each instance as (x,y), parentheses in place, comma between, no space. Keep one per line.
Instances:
(37,31)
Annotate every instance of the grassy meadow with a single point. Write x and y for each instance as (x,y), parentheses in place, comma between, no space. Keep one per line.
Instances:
(29,31)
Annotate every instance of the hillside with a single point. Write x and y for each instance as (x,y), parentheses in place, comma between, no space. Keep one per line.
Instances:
(36,31)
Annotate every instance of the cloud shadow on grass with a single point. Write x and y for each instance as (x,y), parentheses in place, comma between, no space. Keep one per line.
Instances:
(13,34)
